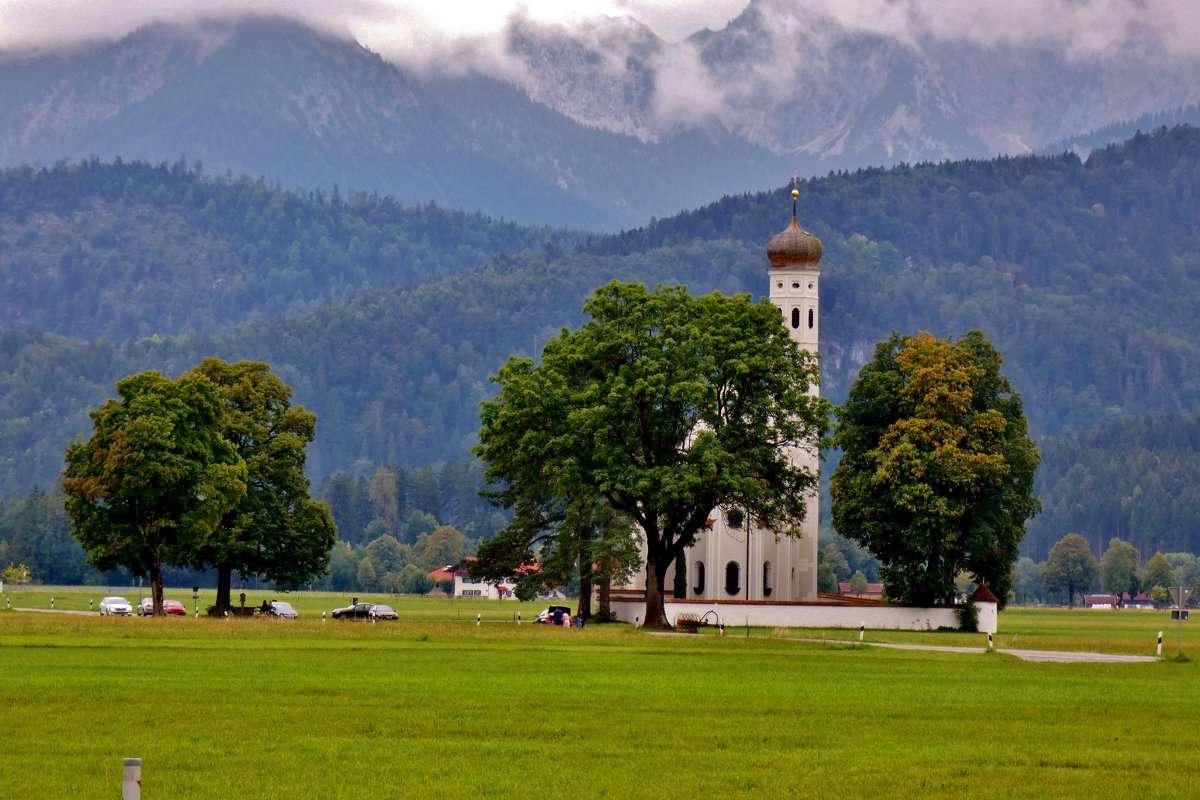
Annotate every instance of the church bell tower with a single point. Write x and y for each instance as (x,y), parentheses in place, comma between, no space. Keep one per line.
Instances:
(795,275)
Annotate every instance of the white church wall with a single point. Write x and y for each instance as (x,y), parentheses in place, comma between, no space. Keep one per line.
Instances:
(811,615)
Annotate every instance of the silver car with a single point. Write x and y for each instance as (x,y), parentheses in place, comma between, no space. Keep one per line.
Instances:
(115,606)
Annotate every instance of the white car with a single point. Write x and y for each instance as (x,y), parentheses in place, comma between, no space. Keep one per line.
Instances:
(118,606)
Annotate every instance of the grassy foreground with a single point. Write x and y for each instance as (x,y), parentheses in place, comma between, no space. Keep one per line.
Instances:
(271,709)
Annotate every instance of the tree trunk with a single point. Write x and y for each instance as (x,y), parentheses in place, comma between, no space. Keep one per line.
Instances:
(224,584)
(605,609)
(586,567)
(585,597)
(156,582)
(656,613)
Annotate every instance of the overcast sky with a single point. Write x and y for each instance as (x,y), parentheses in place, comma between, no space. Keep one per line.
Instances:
(396,27)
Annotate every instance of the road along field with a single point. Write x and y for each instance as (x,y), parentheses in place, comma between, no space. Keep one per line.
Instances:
(265,709)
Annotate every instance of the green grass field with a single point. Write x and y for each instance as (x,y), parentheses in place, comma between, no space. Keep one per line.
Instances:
(435,706)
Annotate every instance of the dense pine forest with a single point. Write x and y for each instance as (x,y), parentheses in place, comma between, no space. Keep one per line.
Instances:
(387,321)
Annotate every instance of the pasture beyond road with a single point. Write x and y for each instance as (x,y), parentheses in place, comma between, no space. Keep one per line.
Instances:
(447,709)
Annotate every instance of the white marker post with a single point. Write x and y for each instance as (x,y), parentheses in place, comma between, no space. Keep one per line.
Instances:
(862,629)
(478,618)
(1158,652)
(989,640)
(131,784)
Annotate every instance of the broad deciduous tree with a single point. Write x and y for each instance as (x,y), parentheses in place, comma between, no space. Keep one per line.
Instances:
(155,477)
(664,406)
(1070,567)
(276,530)
(1119,569)
(936,474)
(1158,572)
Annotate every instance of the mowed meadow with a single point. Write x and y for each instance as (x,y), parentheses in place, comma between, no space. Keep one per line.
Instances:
(437,706)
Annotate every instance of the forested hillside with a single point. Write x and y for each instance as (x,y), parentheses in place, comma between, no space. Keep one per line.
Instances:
(1083,273)
(124,250)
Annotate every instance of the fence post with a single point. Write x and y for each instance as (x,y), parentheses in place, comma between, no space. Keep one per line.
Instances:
(131,784)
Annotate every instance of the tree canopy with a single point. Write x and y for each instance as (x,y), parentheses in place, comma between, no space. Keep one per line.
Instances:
(664,406)
(276,530)
(1071,567)
(1119,570)
(936,474)
(155,477)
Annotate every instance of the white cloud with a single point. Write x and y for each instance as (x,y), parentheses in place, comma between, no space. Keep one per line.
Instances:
(1080,28)
(414,26)
(417,28)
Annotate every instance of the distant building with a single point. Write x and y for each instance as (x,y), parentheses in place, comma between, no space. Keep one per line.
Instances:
(1124,600)
(874,591)
(459,577)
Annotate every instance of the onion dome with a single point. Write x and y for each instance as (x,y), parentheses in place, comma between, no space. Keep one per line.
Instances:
(794,246)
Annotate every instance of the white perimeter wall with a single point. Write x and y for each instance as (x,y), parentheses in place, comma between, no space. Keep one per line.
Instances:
(812,615)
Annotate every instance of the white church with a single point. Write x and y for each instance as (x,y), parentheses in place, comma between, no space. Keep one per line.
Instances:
(737,559)
(741,572)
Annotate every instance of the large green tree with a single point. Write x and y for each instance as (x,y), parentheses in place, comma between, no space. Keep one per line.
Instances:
(1070,568)
(936,473)
(155,477)
(664,406)
(1119,569)
(276,530)
(1158,572)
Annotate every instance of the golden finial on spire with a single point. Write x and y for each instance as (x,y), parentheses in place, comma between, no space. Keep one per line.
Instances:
(795,190)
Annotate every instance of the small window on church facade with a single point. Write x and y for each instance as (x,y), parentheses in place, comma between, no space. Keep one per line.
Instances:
(797,286)
(698,589)
(811,318)
(766,583)
(732,578)
(795,318)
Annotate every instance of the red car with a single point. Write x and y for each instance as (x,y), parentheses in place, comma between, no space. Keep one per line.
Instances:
(169,607)
(175,608)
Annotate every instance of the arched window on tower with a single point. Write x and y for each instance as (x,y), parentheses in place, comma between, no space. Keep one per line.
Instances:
(766,579)
(812,318)
(698,589)
(795,318)
(732,578)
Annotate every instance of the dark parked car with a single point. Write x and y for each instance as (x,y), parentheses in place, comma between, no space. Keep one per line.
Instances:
(356,611)
(366,611)
(552,615)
